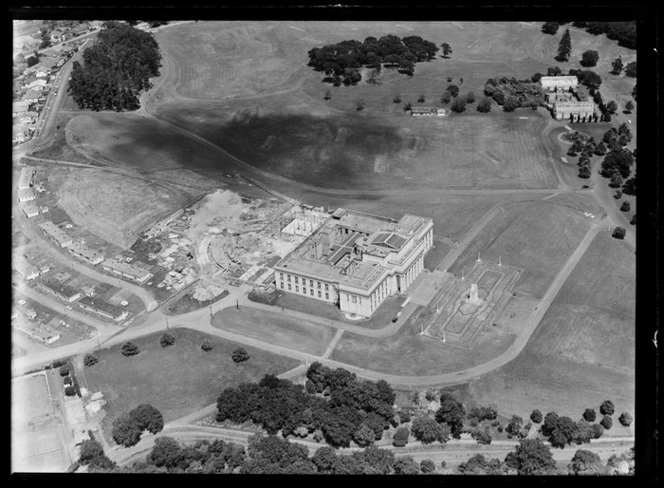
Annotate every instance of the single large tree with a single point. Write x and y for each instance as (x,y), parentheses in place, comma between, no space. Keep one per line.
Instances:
(531,456)
(484,105)
(147,418)
(550,28)
(630,69)
(452,413)
(447,50)
(427,430)
(586,462)
(589,58)
(607,408)
(565,47)
(617,66)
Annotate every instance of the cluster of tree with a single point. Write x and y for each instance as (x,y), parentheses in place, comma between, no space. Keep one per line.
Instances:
(334,404)
(427,430)
(452,413)
(630,69)
(484,105)
(478,464)
(512,93)
(588,78)
(617,161)
(550,28)
(127,428)
(618,233)
(623,32)
(562,431)
(116,69)
(341,62)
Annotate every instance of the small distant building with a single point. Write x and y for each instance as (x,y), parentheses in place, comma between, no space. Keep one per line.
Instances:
(89,290)
(25,178)
(427,111)
(56,234)
(41,72)
(26,195)
(63,292)
(562,83)
(30,209)
(57,35)
(103,308)
(25,269)
(31,314)
(576,111)
(85,253)
(79,30)
(133,271)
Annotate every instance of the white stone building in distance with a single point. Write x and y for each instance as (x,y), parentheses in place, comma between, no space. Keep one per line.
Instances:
(355,260)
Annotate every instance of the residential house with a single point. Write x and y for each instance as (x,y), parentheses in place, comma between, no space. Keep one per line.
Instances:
(132,271)
(26,195)
(56,234)
(83,252)
(103,308)
(37,84)
(30,209)
(25,269)
(25,178)
(19,108)
(63,292)
(57,35)
(32,96)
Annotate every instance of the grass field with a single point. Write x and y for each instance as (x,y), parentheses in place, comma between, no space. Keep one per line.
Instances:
(408,353)
(382,317)
(537,237)
(582,353)
(274,329)
(436,254)
(177,380)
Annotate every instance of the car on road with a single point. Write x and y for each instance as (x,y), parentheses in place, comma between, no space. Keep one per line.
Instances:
(21,302)
(584,187)
(395,319)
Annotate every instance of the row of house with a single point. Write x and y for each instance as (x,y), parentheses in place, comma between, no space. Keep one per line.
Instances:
(133,271)
(102,308)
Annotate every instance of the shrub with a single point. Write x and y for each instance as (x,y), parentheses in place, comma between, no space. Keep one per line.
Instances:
(598,430)
(499,97)
(607,408)
(430,395)
(511,104)
(453,90)
(70,391)
(421,99)
(611,107)
(167,340)
(630,69)
(129,349)
(404,416)
(470,97)
(64,371)
(616,181)
(589,415)
(484,105)
(633,221)
(90,360)
(400,438)
(397,99)
(240,355)
(207,345)
(607,422)
(68,380)
(427,466)
(618,233)
(446,98)
(625,419)
(481,436)
(458,105)
(625,207)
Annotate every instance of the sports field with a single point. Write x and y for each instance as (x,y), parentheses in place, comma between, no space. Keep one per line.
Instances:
(537,237)
(582,353)
(176,380)
(274,329)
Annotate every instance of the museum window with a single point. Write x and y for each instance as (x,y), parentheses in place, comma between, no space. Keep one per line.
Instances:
(289,287)
(312,292)
(296,279)
(326,287)
(281,275)
(311,283)
(289,277)
(354,299)
(297,288)
(282,285)
(318,293)
(327,296)
(319,285)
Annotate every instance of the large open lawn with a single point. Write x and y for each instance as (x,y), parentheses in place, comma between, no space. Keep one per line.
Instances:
(582,353)
(177,380)
(273,328)
(407,353)
(537,237)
